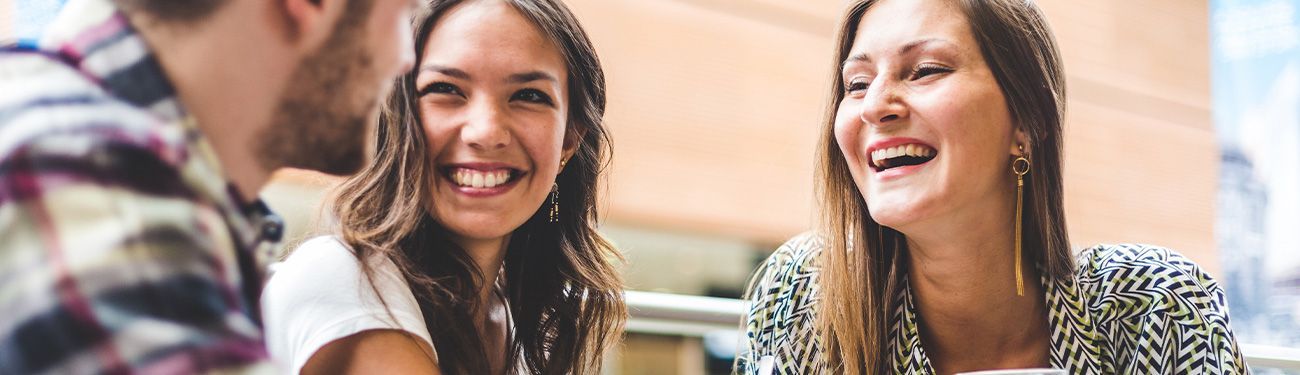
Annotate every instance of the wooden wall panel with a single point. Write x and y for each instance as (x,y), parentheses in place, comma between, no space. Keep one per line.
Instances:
(713,116)
(1133,178)
(1141,157)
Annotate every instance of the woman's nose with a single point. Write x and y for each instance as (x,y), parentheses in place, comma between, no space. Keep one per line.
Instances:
(485,129)
(883,103)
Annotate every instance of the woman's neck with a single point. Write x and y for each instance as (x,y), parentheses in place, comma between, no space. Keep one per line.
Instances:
(488,255)
(963,284)
(492,315)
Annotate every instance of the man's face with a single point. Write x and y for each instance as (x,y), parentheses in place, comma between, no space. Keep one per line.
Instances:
(333,97)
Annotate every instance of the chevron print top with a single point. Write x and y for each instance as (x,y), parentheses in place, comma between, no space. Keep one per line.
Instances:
(1129,309)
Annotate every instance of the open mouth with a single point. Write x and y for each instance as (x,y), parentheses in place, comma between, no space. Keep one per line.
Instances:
(901,156)
(481,179)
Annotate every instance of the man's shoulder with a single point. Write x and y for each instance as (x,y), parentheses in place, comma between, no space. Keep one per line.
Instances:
(37,79)
(46,97)
(56,121)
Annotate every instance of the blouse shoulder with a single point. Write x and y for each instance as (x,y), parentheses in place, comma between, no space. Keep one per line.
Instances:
(1162,304)
(317,270)
(1124,280)
(782,295)
(797,255)
(320,294)
(789,273)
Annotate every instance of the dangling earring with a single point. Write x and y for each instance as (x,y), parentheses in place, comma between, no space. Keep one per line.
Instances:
(555,202)
(1020,167)
(555,196)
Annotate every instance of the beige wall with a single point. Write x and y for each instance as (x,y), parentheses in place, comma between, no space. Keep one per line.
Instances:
(713,112)
(1141,157)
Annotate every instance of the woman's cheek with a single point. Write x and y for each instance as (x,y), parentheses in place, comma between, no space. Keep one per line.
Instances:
(847,136)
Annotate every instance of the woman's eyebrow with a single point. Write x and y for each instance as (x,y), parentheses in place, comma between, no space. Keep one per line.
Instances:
(535,75)
(906,48)
(446,70)
(516,78)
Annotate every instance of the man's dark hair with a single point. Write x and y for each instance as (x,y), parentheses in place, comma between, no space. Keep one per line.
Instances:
(173,11)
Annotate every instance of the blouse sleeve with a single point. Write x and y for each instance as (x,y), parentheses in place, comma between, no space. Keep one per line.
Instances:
(320,294)
(1162,312)
(779,334)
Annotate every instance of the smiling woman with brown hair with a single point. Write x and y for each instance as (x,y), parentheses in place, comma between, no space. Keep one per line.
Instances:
(468,246)
(943,245)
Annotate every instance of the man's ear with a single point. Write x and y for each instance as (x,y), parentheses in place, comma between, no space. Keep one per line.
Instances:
(1021,147)
(311,22)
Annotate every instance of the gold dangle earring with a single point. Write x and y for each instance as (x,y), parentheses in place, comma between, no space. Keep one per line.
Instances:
(1019,166)
(555,202)
(555,196)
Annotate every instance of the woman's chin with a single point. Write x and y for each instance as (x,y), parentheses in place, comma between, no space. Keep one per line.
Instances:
(894,216)
(481,228)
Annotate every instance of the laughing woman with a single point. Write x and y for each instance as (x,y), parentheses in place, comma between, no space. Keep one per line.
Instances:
(943,243)
(468,246)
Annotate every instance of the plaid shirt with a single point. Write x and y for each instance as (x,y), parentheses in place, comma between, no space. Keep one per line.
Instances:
(123,249)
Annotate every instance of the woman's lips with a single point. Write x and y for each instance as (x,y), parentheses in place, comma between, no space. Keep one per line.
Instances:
(897,172)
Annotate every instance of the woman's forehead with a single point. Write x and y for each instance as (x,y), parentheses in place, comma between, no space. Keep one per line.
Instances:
(493,31)
(929,23)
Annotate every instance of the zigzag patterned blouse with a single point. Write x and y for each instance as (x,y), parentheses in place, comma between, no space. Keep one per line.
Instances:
(1129,309)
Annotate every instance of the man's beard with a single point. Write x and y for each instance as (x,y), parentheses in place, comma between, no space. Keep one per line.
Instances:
(327,107)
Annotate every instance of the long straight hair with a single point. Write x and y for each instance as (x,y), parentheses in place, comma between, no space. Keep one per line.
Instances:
(566,297)
(864,263)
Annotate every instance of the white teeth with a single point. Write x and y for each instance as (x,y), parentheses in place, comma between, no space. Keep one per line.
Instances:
(479,179)
(878,157)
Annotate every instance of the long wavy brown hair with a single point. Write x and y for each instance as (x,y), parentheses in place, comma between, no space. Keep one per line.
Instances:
(566,296)
(864,263)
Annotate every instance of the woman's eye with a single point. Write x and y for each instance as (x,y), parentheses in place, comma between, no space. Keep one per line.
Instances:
(532,96)
(440,88)
(855,86)
(926,70)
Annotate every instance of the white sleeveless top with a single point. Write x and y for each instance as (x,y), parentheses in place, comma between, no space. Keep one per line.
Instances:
(319,295)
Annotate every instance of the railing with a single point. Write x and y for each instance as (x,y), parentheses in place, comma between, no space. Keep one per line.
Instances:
(681,315)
